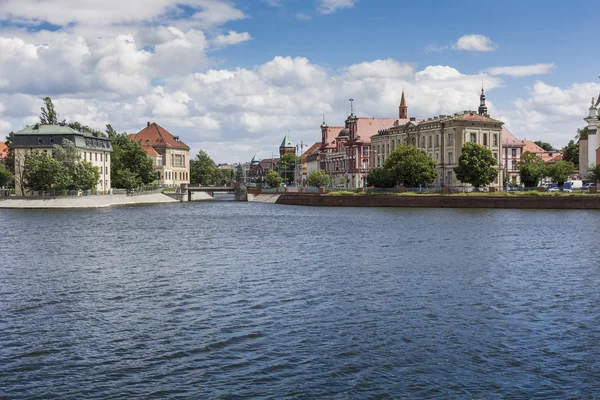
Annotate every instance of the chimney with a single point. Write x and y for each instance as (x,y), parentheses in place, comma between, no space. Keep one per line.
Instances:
(148,123)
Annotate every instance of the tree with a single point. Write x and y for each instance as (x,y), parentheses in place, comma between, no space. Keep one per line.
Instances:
(7,178)
(318,178)
(129,155)
(287,165)
(410,166)
(544,145)
(86,176)
(476,165)
(127,179)
(593,173)
(10,152)
(560,171)
(274,179)
(582,134)
(42,172)
(531,169)
(571,153)
(202,169)
(49,116)
(239,174)
(380,177)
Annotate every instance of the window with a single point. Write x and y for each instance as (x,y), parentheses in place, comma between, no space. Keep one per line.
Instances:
(39,140)
(96,156)
(495,139)
(100,156)
(496,156)
(485,139)
(429,141)
(450,142)
(423,142)
(84,156)
(437,140)
(51,139)
(437,156)
(514,153)
(474,137)
(449,180)
(177,160)
(450,158)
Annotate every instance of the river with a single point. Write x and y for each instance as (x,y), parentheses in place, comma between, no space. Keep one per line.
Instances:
(227,300)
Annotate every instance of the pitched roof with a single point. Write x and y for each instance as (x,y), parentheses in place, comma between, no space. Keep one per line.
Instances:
(3,150)
(367,127)
(510,140)
(43,129)
(150,150)
(474,117)
(287,142)
(312,149)
(157,136)
(547,156)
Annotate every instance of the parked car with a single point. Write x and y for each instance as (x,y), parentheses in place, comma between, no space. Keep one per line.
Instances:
(567,187)
(587,186)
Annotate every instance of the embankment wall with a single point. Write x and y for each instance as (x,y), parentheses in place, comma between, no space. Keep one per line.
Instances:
(524,202)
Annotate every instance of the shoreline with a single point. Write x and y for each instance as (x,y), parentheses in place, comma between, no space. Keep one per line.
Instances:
(84,202)
(443,201)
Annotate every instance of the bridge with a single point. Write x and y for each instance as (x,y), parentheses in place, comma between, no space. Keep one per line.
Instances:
(211,190)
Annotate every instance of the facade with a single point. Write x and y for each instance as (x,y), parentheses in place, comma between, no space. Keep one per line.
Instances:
(312,150)
(42,138)
(171,157)
(257,172)
(346,151)
(589,151)
(512,149)
(443,138)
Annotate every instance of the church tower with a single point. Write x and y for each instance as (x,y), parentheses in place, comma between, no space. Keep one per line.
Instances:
(403,114)
(592,121)
(482,107)
(287,146)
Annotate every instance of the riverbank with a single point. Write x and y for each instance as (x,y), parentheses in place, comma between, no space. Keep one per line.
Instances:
(84,201)
(442,201)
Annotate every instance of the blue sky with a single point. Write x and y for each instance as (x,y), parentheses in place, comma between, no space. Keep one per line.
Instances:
(232,77)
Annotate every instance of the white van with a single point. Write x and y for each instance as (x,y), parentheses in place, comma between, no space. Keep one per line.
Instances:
(576,184)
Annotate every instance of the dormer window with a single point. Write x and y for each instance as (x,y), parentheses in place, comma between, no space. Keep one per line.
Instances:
(39,140)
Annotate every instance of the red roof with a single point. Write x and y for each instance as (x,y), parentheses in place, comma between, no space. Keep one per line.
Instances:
(150,151)
(547,156)
(156,136)
(475,117)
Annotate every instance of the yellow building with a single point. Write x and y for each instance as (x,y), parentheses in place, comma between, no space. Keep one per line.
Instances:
(171,157)
(42,138)
(443,138)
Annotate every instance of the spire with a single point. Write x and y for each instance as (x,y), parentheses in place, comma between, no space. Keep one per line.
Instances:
(403,114)
(482,107)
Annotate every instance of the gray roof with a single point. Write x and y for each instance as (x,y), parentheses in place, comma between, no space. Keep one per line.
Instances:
(39,129)
(287,142)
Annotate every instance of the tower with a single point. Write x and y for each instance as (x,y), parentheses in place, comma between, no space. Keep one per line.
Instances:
(287,146)
(324,138)
(403,109)
(482,107)
(592,120)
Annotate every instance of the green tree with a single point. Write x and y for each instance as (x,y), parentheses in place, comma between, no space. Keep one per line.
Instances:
(86,176)
(410,166)
(10,152)
(127,179)
(274,179)
(560,171)
(593,173)
(380,177)
(48,116)
(476,165)
(318,178)
(239,173)
(7,178)
(582,134)
(571,153)
(202,169)
(129,155)
(42,172)
(531,169)
(544,145)
(287,166)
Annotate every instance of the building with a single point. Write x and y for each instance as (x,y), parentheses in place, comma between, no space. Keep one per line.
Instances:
(171,157)
(512,149)
(287,146)
(345,151)
(42,138)
(589,152)
(257,173)
(443,138)
(312,150)
(3,153)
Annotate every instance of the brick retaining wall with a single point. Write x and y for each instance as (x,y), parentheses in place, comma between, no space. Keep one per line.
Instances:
(526,202)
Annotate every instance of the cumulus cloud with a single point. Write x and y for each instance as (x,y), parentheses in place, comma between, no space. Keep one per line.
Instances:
(330,6)
(380,69)
(521,70)
(474,43)
(230,38)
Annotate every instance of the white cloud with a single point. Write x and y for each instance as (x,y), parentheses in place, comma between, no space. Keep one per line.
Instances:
(231,38)
(380,69)
(474,43)
(521,70)
(437,72)
(330,6)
